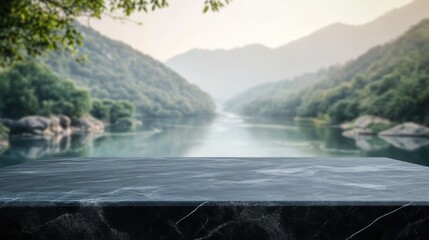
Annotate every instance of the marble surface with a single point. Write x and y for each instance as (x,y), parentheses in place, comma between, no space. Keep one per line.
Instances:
(214,198)
(91,221)
(156,180)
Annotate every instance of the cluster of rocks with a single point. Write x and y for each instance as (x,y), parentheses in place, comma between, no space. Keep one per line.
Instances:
(89,125)
(38,126)
(362,126)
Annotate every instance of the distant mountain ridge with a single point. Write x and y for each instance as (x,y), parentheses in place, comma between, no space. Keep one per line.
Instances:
(114,70)
(224,73)
(390,81)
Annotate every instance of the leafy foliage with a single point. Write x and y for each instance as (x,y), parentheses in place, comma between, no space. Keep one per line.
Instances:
(114,70)
(32,27)
(390,81)
(31,89)
(111,111)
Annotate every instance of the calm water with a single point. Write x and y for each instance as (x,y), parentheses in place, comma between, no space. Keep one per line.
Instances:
(226,135)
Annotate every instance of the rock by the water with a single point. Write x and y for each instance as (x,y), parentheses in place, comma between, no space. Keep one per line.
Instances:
(366,121)
(89,124)
(362,126)
(65,121)
(36,126)
(35,122)
(408,129)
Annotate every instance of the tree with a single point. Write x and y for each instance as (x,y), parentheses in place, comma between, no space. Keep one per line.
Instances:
(121,109)
(32,27)
(111,111)
(31,89)
(101,110)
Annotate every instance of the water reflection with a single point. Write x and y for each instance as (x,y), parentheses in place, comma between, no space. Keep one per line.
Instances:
(224,136)
(23,149)
(156,138)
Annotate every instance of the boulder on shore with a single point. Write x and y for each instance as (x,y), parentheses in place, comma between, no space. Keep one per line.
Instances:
(366,121)
(362,126)
(408,129)
(89,124)
(37,126)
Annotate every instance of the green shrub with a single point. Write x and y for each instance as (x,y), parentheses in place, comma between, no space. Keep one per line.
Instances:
(31,89)
(111,111)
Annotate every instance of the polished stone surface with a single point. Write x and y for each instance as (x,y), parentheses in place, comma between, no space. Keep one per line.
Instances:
(211,221)
(215,179)
(215,198)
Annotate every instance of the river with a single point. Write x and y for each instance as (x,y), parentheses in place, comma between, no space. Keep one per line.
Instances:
(225,135)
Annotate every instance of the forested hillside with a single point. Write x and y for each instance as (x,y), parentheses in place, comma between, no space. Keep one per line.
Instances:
(261,97)
(390,81)
(114,70)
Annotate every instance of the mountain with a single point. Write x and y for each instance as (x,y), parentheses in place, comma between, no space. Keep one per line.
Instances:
(226,73)
(390,81)
(114,70)
(251,101)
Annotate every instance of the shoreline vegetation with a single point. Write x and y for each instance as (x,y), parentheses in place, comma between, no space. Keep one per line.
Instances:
(115,71)
(35,101)
(113,86)
(368,125)
(389,81)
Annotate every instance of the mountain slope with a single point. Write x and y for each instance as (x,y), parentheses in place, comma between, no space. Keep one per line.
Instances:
(115,70)
(257,100)
(390,81)
(226,73)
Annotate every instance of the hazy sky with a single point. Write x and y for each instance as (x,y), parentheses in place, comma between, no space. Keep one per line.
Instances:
(182,26)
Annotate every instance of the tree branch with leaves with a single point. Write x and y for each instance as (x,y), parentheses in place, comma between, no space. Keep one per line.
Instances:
(29,28)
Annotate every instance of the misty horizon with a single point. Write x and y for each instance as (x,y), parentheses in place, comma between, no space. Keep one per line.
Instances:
(160,43)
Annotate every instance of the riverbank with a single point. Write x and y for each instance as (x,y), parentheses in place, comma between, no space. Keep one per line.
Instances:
(376,126)
(46,127)
(226,135)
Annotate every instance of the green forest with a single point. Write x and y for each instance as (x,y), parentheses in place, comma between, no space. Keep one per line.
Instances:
(269,98)
(32,89)
(113,83)
(389,81)
(114,70)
